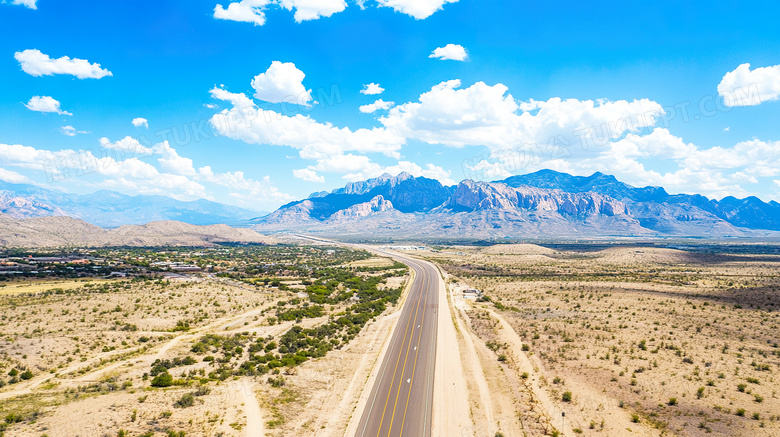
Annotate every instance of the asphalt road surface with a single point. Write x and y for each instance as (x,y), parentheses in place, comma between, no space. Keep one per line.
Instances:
(401,401)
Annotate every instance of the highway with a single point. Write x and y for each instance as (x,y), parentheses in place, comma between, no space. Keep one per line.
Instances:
(401,401)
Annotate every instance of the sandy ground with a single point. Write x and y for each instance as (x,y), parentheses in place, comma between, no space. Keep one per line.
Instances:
(255,427)
(451,407)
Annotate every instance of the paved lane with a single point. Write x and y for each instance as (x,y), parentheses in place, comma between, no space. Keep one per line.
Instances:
(401,401)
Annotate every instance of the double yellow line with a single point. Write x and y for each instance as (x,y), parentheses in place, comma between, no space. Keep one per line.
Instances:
(422,292)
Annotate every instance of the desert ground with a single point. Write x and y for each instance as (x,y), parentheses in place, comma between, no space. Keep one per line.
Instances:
(81,357)
(566,340)
(623,340)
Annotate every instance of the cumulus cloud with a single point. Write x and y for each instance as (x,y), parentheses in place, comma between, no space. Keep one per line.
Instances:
(28,3)
(138,122)
(373,170)
(746,87)
(249,11)
(71,131)
(13,177)
(36,64)
(314,140)
(308,175)
(360,167)
(282,82)
(172,162)
(313,9)
(372,89)
(452,52)
(128,146)
(490,116)
(377,105)
(45,104)
(121,169)
(662,159)
(18,155)
(253,11)
(419,9)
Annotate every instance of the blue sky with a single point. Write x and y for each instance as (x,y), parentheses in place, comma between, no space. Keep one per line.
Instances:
(654,93)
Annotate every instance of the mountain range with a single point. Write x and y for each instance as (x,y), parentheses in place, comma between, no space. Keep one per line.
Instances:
(543,204)
(111,209)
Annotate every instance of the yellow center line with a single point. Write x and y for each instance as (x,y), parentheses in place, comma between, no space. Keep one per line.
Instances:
(411,337)
(395,370)
(414,369)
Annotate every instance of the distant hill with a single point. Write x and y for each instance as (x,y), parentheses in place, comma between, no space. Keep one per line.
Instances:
(71,232)
(545,204)
(111,209)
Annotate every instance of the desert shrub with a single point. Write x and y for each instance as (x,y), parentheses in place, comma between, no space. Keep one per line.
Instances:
(566,397)
(185,401)
(276,381)
(162,380)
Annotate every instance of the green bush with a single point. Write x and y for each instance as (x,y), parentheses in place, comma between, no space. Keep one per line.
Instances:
(566,396)
(162,380)
(185,401)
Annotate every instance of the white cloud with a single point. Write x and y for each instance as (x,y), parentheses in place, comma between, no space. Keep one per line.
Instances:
(313,9)
(138,122)
(249,11)
(282,82)
(662,159)
(128,146)
(372,170)
(253,191)
(71,131)
(172,162)
(452,52)
(238,100)
(743,87)
(488,115)
(122,171)
(419,9)
(308,175)
(13,177)
(25,156)
(35,63)
(372,89)
(343,163)
(360,167)
(377,105)
(314,140)
(28,3)
(253,11)
(45,104)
